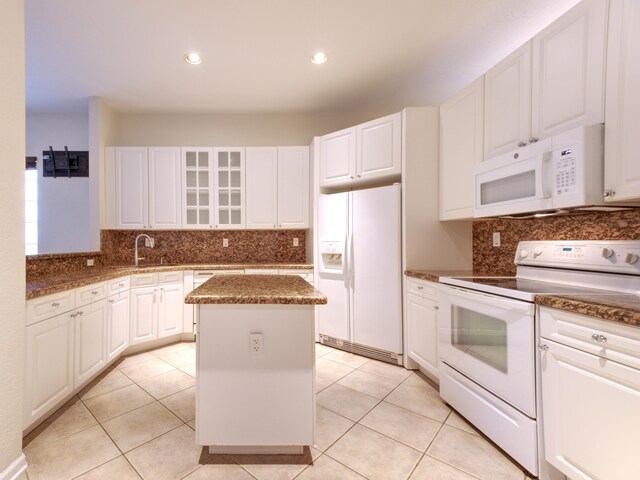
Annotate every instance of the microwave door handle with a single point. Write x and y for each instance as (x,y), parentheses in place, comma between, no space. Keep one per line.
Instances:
(545,177)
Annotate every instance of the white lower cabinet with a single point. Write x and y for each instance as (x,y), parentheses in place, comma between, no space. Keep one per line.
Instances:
(117,324)
(422,325)
(170,309)
(590,396)
(144,314)
(49,365)
(90,336)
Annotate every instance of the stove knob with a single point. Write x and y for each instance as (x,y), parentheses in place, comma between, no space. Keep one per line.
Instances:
(607,252)
(537,251)
(524,254)
(631,258)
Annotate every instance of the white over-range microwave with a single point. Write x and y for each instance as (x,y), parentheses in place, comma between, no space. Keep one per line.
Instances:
(561,172)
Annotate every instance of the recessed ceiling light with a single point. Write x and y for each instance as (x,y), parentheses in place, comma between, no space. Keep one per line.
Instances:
(318,58)
(193,58)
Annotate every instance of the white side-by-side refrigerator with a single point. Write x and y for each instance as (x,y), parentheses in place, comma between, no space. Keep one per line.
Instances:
(359,236)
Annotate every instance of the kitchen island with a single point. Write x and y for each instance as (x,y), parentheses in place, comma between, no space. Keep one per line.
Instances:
(255,363)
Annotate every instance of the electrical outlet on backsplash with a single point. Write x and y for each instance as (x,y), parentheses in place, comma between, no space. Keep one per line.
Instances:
(490,260)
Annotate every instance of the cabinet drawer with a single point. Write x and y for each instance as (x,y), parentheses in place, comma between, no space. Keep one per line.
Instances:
(603,338)
(261,271)
(144,280)
(90,293)
(170,277)
(422,289)
(118,285)
(45,307)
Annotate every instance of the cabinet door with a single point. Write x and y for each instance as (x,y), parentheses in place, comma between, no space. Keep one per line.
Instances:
(423,332)
(229,188)
(379,151)
(461,133)
(507,103)
(621,165)
(165,187)
(170,309)
(132,192)
(90,335)
(143,315)
(338,157)
(117,324)
(197,191)
(262,187)
(293,187)
(49,365)
(586,398)
(568,70)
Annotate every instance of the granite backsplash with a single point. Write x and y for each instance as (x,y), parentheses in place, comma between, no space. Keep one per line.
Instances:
(177,247)
(489,260)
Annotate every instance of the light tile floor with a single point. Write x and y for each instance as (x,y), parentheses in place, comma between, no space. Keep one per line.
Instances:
(374,420)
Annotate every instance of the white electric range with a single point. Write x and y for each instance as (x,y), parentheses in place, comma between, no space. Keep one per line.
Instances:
(488,333)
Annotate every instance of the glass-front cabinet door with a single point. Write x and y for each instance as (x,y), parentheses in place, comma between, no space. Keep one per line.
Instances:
(198,188)
(229,187)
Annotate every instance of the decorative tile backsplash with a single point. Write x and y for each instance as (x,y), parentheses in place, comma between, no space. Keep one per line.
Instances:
(489,260)
(205,246)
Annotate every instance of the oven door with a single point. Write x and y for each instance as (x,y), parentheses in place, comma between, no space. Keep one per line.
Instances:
(490,339)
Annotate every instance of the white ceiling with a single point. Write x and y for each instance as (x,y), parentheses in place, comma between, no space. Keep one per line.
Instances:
(383,54)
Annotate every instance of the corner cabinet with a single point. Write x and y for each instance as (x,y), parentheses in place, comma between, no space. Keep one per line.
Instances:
(361,154)
(461,147)
(277,186)
(621,165)
(143,187)
(422,324)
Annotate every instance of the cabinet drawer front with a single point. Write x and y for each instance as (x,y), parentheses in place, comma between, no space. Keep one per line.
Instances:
(119,285)
(45,307)
(605,339)
(423,289)
(261,271)
(90,293)
(144,280)
(170,277)
(295,271)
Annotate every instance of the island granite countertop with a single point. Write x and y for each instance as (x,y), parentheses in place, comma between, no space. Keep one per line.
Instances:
(68,280)
(256,289)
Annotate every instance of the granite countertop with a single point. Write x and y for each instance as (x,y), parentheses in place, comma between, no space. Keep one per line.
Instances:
(68,280)
(434,275)
(616,307)
(252,289)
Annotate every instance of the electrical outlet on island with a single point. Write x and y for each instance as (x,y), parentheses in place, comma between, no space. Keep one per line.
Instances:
(256,343)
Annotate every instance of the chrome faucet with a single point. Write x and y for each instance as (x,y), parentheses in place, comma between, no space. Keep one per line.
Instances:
(151,244)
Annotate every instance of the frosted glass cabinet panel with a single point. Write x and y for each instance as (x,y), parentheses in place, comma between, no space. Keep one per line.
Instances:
(197,189)
(229,187)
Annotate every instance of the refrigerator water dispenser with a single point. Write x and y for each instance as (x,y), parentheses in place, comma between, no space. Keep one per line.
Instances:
(331,253)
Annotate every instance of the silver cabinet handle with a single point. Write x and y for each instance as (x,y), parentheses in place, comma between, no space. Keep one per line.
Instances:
(121,284)
(161,294)
(358,176)
(351,177)
(436,307)
(111,300)
(93,292)
(55,304)
(595,337)
(543,348)
(609,193)
(420,287)
(73,315)
(533,139)
(80,313)
(522,144)
(598,338)
(155,290)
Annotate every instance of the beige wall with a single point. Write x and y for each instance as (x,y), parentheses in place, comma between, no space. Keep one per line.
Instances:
(240,130)
(12,287)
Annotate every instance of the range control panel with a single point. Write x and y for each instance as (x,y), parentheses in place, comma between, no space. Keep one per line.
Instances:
(620,256)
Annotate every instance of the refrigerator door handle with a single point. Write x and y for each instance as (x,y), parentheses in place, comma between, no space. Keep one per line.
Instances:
(351,256)
(345,259)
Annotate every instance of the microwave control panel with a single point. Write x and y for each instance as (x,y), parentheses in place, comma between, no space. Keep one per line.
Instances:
(565,172)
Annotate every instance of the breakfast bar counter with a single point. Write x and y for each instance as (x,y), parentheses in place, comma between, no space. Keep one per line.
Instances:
(255,363)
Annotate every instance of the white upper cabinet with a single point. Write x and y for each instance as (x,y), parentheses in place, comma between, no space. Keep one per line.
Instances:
(461,134)
(379,150)
(143,187)
(507,103)
(293,187)
(165,187)
(363,153)
(338,157)
(568,70)
(262,187)
(621,164)
(131,188)
(229,190)
(197,188)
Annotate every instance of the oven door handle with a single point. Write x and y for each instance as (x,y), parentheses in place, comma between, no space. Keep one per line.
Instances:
(489,299)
